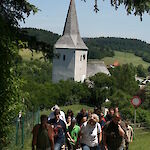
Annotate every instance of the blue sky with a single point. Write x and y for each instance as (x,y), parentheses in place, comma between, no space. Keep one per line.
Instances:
(106,23)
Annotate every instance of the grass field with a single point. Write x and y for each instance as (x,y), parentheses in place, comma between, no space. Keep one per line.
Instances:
(26,54)
(124,58)
(141,140)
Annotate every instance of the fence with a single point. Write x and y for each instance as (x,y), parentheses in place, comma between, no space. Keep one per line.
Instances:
(22,130)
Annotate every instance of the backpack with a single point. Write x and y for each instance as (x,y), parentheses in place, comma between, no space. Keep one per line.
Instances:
(43,141)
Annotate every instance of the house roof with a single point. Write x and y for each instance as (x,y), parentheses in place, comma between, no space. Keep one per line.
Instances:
(71,38)
(94,67)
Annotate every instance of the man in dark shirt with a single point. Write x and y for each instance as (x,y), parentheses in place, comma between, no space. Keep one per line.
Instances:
(43,135)
(59,127)
(113,134)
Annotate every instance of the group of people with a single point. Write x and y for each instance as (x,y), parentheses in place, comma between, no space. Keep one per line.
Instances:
(89,130)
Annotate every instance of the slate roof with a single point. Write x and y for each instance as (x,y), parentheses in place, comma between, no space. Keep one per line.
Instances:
(71,38)
(94,67)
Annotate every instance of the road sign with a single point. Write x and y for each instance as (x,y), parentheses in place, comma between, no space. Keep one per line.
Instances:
(136,101)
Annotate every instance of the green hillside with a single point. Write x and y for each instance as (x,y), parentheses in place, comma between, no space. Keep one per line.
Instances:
(124,58)
(99,48)
(28,55)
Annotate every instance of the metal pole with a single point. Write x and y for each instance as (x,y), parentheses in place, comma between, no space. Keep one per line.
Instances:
(22,132)
(17,128)
(135,118)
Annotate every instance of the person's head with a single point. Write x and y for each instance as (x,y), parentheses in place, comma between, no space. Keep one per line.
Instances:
(101,116)
(70,113)
(84,119)
(43,119)
(57,114)
(111,111)
(89,113)
(55,107)
(69,119)
(116,109)
(73,122)
(95,110)
(93,119)
(83,111)
(116,118)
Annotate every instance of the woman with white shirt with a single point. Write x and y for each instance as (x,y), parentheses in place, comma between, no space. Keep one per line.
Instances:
(90,134)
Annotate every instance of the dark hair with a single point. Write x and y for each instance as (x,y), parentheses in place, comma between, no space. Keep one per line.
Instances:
(56,112)
(111,108)
(43,117)
(69,113)
(117,114)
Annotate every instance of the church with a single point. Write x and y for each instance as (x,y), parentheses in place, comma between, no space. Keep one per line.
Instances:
(70,52)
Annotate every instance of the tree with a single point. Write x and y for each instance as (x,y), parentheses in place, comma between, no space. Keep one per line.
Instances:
(141,71)
(11,11)
(100,89)
(138,7)
(124,79)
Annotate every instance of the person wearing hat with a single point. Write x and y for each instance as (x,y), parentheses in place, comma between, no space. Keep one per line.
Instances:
(52,116)
(90,134)
(72,134)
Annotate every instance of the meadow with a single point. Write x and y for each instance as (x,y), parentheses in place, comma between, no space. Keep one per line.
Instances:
(28,55)
(121,57)
(124,58)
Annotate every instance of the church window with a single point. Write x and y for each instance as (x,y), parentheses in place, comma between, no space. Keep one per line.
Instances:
(64,57)
(84,57)
(81,58)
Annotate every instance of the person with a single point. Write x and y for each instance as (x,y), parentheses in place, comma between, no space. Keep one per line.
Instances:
(116,109)
(59,127)
(69,113)
(68,119)
(113,134)
(102,120)
(80,116)
(52,116)
(43,135)
(84,119)
(90,134)
(72,134)
(129,133)
(108,117)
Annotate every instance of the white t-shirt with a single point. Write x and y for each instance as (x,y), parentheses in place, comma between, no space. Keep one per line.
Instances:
(89,134)
(129,133)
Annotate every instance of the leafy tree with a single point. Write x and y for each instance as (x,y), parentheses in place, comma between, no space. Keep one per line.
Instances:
(136,6)
(141,72)
(100,89)
(11,11)
(146,101)
(124,79)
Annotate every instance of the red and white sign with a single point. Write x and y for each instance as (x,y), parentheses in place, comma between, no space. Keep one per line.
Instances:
(136,101)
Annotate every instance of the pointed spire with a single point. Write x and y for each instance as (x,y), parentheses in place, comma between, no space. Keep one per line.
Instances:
(71,37)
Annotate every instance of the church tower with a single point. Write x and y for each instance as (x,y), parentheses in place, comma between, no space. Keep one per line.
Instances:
(70,52)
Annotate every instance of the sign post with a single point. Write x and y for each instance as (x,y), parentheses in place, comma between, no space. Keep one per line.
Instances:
(135,101)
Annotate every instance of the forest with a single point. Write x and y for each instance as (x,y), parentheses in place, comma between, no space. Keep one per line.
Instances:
(98,47)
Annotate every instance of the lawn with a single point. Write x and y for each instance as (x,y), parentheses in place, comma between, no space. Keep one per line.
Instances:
(141,140)
(27,55)
(124,58)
